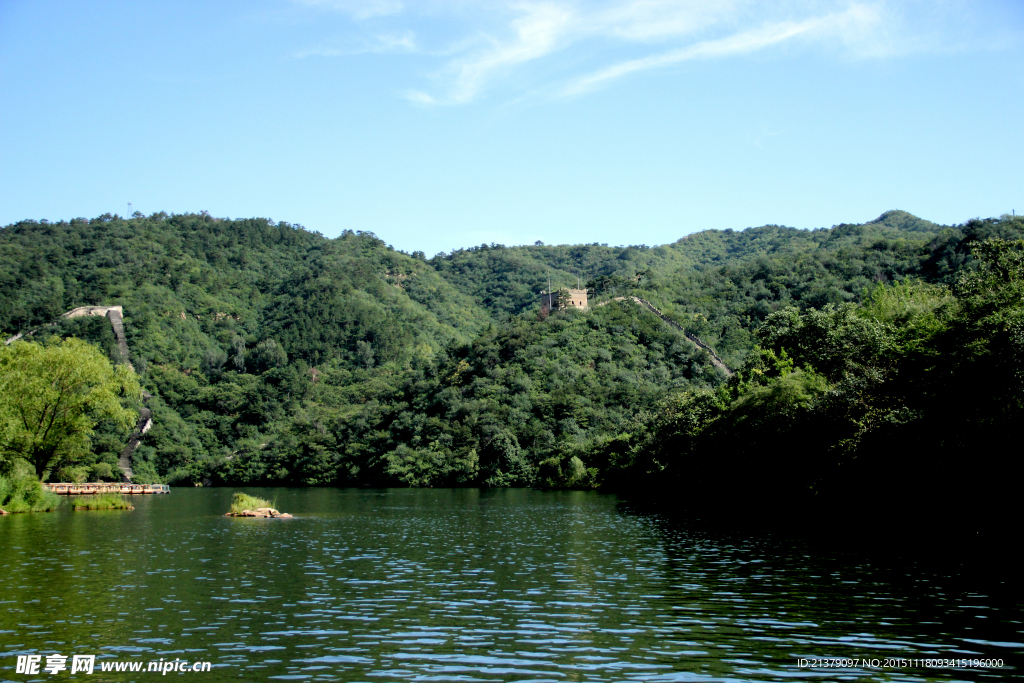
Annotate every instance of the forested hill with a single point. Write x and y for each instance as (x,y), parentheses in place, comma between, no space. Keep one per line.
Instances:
(721,283)
(276,355)
(196,287)
(199,265)
(505,279)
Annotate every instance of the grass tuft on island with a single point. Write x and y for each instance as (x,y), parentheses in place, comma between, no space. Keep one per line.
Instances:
(240,502)
(102,501)
(22,492)
(244,505)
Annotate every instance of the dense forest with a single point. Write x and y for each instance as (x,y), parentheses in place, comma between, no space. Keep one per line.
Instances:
(891,351)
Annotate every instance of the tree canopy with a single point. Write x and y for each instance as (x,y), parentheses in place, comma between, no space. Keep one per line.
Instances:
(53,395)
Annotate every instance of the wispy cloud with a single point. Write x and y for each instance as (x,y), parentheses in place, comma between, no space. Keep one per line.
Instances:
(582,46)
(854,20)
(739,43)
(536,32)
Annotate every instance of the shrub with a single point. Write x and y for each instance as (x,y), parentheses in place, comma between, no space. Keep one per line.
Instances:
(243,501)
(22,492)
(102,501)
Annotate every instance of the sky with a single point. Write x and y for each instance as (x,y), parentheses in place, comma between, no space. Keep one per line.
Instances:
(442,124)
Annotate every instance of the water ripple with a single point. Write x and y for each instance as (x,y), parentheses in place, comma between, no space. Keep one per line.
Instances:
(464,585)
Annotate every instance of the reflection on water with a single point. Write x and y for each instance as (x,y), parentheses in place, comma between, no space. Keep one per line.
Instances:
(466,585)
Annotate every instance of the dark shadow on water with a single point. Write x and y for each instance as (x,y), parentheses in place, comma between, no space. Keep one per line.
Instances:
(958,553)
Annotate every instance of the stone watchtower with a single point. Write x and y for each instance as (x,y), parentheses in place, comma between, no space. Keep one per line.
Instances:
(562,299)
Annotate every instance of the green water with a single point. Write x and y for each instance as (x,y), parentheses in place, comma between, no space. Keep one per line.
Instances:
(467,585)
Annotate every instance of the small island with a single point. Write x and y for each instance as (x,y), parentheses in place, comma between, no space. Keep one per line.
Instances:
(244,505)
(102,501)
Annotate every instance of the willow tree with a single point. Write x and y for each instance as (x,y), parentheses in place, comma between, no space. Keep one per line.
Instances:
(52,397)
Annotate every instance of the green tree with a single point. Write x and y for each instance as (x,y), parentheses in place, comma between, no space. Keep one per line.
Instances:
(53,395)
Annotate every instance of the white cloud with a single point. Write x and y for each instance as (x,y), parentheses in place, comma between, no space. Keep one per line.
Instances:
(588,44)
(538,31)
(700,29)
(739,43)
(847,26)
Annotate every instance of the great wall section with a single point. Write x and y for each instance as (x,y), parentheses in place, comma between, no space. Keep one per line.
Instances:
(115,314)
(694,339)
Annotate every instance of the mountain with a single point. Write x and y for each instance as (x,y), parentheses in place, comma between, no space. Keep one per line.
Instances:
(276,355)
(194,285)
(719,284)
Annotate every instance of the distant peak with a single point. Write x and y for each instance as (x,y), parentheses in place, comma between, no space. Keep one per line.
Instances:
(902,220)
(894,214)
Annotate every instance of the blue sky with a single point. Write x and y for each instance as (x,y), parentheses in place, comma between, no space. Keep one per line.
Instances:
(440,125)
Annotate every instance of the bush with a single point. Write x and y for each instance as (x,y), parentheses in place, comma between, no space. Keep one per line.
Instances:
(102,501)
(243,501)
(22,492)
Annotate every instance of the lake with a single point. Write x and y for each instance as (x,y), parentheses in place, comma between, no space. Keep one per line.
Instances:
(475,585)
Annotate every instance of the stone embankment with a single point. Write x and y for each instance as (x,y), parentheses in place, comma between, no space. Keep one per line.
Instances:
(694,339)
(260,512)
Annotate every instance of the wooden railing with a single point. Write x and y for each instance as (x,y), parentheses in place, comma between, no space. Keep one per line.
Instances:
(72,489)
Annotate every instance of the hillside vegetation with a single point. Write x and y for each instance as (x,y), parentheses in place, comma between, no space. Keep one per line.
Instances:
(276,355)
